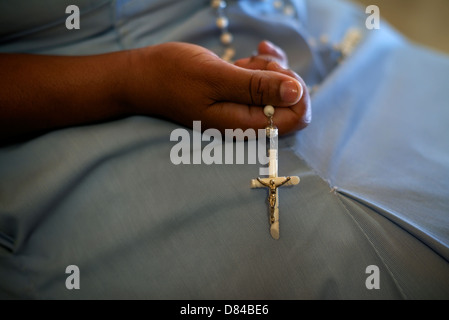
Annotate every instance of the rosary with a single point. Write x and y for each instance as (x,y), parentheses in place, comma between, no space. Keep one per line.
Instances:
(273,182)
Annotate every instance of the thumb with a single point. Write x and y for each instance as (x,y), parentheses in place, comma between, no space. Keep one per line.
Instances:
(257,87)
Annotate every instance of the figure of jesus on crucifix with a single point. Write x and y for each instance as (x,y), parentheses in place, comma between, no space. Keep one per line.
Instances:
(273,182)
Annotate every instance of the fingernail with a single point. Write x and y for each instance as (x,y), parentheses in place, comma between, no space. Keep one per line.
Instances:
(270,44)
(291,91)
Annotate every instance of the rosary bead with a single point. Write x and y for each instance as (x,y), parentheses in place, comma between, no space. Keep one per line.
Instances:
(222,22)
(226,38)
(217,4)
(228,54)
(324,39)
(268,110)
(289,10)
(277,4)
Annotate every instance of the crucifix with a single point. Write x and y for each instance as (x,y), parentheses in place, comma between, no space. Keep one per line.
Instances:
(273,182)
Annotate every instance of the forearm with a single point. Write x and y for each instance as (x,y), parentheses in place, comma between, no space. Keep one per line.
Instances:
(177,81)
(39,93)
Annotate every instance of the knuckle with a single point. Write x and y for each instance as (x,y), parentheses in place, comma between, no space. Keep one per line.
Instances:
(259,88)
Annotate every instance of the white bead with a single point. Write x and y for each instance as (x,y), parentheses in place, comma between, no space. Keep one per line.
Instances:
(230,51)
(277,4)
(217,4)
(226,38)
(324,39)
(312,42)
(268,110)
(350,41)
(222,22)
(228,54)
(289,10)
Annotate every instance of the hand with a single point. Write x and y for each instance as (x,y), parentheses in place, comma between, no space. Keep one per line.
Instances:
(184,82)
(177,81)
(266,52)
(271,57)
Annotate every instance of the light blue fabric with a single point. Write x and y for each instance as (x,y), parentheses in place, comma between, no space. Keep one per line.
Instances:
(373,164)
(384,141)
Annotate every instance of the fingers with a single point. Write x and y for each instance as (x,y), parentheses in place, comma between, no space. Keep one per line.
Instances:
(229,115)
(234,95)
(297,116)
(267,52)
(253,63)
(265,87)
(267,48)
(257,87)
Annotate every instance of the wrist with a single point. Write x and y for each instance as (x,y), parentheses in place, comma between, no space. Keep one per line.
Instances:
(119,76)
(138,81)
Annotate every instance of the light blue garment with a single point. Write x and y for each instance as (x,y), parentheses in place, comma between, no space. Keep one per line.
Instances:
(374,169)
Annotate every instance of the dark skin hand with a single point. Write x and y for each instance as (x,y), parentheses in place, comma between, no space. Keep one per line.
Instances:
(271,57)
(177,81)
